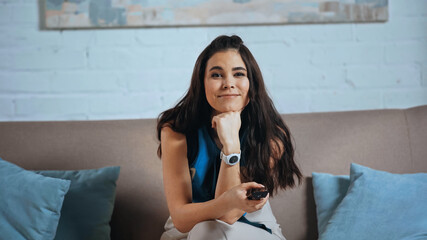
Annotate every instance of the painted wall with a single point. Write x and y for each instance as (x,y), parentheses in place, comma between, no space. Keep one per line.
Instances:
(138,73)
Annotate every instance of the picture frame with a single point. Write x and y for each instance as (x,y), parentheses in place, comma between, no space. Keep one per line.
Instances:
(65,14)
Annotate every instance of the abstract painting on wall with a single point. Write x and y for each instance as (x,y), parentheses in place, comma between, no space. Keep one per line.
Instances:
(61,14)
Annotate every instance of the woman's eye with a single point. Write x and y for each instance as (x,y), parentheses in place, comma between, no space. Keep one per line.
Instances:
(216,75)
(239,74)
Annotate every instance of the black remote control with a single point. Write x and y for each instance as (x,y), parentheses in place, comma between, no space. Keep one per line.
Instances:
(257,193)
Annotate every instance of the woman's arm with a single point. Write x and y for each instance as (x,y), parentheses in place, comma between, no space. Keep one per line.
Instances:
(177,185)
(228,177)
(227,126)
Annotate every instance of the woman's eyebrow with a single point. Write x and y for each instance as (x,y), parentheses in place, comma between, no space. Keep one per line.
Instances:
(220,68)
(215,68)
(239,68)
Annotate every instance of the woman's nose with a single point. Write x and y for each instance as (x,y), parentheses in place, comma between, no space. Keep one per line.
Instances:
(228,82)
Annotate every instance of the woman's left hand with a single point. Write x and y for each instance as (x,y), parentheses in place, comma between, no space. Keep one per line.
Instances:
(227,126)
(237,198)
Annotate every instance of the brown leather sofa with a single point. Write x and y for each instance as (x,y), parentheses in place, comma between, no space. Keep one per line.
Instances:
(389,140)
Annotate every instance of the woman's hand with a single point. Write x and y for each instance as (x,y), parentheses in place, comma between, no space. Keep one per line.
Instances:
(238,199)
(227,126)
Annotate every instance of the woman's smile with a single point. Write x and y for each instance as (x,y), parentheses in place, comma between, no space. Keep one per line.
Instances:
(228,96)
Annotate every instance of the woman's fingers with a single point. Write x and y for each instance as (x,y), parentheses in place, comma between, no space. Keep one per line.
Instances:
(214,122)
(250,185)
(255,205)
(263,202)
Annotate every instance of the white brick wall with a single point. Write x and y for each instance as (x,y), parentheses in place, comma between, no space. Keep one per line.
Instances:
(140,72)
(424,76)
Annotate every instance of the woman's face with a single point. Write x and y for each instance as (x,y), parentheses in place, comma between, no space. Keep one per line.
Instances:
(226,82)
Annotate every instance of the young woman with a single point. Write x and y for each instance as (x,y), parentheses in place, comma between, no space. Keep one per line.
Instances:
(221,140)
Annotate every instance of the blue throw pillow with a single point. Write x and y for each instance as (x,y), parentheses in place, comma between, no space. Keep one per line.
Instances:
(329,190)
(89,203)
(380,205)
(30,204)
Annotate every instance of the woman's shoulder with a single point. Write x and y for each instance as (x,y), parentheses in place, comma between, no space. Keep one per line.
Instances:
(168,134)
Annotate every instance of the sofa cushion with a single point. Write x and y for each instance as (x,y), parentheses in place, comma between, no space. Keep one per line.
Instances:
(380,205)
(329,190)
(30,204)
(89,203)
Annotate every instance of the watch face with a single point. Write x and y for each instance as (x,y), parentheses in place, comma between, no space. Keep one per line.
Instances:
(234,159)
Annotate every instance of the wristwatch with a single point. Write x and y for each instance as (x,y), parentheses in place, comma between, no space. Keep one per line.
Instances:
(231,159)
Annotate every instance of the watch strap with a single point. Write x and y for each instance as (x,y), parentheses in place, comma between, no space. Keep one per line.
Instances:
(231,159)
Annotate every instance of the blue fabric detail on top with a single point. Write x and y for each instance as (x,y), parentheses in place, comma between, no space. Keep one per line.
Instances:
(206,169)
(206,165)
(255,224)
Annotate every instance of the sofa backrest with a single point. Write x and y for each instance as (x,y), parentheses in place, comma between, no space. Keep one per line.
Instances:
(390,140)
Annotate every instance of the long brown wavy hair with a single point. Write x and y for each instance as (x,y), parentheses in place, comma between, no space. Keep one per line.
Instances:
(268,137)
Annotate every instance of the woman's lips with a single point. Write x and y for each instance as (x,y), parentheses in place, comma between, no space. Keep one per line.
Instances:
(228,95)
